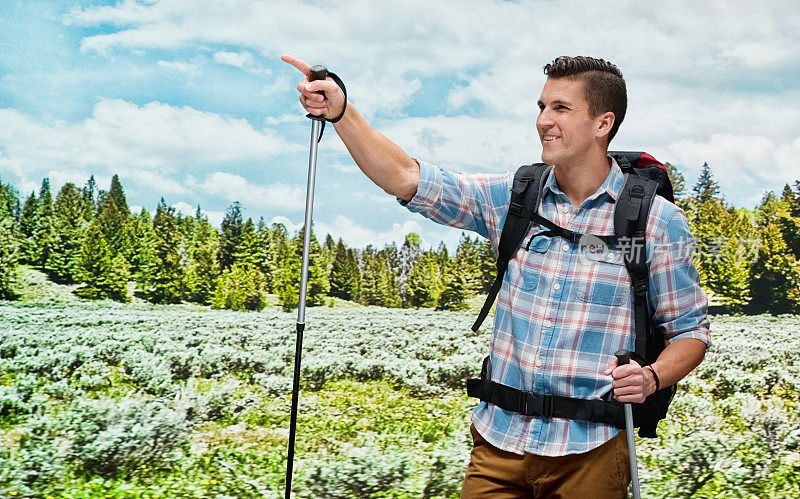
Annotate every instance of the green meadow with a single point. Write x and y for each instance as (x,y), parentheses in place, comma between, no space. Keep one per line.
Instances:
(103,399)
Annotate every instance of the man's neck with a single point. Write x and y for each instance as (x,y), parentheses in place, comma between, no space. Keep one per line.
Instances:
(581,178)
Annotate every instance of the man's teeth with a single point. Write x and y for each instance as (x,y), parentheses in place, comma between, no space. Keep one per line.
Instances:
(548,138)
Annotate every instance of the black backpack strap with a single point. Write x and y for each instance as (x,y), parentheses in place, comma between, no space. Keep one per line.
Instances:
(608,412)
(630,225)
(525,197)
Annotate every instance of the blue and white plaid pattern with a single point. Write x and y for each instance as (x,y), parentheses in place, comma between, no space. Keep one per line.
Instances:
(561,316)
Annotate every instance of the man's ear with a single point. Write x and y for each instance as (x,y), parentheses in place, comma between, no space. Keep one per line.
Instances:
(604,124)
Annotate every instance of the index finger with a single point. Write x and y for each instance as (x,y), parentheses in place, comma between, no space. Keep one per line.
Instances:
(300,64)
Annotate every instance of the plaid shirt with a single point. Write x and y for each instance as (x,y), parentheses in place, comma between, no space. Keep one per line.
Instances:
(561,315)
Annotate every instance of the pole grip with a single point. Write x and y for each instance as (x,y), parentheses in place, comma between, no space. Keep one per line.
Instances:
(318,72)
(623,357)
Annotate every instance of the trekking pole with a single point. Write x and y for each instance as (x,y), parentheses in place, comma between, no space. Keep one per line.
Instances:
(624,357)
(317,73)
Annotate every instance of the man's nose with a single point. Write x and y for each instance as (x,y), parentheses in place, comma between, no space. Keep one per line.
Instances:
(544,119)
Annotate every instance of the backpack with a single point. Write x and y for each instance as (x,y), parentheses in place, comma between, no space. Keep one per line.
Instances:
(645,177)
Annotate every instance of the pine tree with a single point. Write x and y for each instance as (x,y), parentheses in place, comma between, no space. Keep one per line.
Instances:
(455,290)
(89,193)
(795,208)
(488,265)
(8,259)
(203,269)
(345,275)
(240,287)
(775,284)
(116,220)
(117,194)
(678,182)
(443,256)
(790,224)
(330,244)
(63,264)
(44,237)
(95,264)
(9,203)
(278,255)
(143,248)
(9,241)
(230,235)
(354,270)
(28,222)
(726,247)
(289,276)
(391,257)
(425,281)
(467,260)
(165,276)
(377,281)
(728,270)
(775,287)
(788,196)
(248,250)
(706,189)
(263,260)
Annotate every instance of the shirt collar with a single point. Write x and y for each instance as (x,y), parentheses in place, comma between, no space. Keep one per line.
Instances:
(611,186)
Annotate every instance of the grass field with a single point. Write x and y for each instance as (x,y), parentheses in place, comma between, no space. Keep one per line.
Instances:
(109,400)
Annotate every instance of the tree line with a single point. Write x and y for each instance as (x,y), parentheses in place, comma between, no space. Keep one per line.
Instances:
(89,236)
(747,259)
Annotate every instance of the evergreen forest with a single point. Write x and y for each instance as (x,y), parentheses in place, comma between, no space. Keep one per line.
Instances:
(748,259)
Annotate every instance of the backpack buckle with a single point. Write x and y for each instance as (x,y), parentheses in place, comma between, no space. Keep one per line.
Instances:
(534,404)
(640,286)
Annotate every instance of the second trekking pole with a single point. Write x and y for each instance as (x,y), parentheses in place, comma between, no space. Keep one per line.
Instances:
(317,73)
(624,357)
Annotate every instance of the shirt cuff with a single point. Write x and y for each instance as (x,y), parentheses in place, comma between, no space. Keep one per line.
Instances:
(428,191)
(702,333)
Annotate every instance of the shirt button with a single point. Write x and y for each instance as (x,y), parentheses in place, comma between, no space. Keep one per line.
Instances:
(538,362)
(565,247)
(611,256)
(556,286)
(566,209)
(547,323)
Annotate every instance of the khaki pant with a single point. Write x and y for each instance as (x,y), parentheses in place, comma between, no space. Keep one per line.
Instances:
(601,473)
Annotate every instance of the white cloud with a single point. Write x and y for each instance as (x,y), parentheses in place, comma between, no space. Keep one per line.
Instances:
(147,144)
(743,164)
(468,143)
(237,59)
(184,67)
(237,188)
(184,209)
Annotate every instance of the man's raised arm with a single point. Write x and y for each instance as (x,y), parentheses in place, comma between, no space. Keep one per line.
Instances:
(383,161)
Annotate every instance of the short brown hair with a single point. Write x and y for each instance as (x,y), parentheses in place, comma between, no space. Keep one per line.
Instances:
(603,85)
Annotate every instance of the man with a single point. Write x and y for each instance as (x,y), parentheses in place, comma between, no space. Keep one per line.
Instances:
(559,318)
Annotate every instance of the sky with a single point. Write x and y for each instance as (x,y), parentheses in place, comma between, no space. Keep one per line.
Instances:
(189,101)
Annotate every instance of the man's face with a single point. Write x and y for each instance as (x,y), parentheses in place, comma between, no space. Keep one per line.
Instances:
(566,129)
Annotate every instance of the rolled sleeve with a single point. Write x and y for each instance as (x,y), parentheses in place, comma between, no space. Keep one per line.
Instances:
(680,306)
(428,190)
(475,202)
